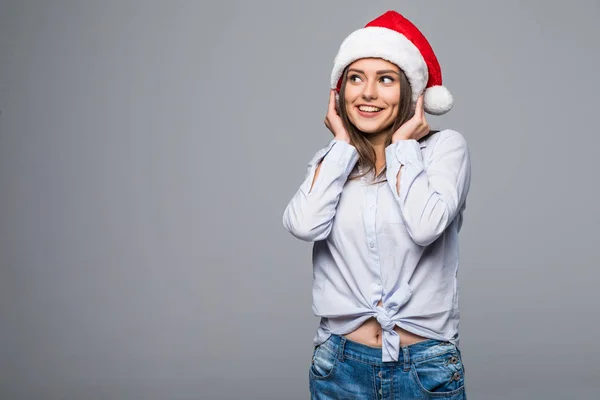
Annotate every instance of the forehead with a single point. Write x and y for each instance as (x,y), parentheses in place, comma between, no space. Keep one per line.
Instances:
(373,64)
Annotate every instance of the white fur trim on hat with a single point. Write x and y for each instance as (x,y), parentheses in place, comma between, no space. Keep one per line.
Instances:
(389,45)
(437,100)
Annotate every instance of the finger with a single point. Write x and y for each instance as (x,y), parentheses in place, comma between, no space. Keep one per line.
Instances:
(419,110)
(332,109)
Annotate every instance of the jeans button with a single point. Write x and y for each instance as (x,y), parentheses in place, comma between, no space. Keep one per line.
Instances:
(456,376)
(380,374)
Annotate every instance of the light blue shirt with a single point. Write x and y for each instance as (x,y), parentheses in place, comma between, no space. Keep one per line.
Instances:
(372,244)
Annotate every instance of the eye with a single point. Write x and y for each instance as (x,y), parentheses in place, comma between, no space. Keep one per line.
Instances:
(387,79)
(354,78)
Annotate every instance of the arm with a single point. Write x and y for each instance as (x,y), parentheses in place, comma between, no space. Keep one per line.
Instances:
(429,200)
(309,214)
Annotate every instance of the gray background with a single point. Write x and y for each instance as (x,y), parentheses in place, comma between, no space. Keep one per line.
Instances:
(148,150)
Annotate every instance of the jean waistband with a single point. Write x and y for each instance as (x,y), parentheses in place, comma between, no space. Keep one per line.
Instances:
(346,348)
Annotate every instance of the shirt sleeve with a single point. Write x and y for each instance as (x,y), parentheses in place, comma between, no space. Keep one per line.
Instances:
(309,214)
(430,196)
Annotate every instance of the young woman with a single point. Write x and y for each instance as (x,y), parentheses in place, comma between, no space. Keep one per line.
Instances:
(383,204)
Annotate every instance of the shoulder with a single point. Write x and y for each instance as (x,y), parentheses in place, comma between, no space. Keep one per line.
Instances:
(452,135)
(448,139)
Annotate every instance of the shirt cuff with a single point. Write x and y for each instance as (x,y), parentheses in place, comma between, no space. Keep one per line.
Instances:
(321,153)
(406,152)
(339,158)
(342,155)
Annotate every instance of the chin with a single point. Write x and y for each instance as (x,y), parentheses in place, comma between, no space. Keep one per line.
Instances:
(372,128)
(368,130)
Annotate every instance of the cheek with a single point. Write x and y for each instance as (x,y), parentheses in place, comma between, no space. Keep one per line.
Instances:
(349,95)
(393,101)
(349,103)
(351,113)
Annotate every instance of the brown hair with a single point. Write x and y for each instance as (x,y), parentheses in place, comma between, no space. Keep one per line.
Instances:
(358,139)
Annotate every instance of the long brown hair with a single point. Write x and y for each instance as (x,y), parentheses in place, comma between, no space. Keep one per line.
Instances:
(358,138)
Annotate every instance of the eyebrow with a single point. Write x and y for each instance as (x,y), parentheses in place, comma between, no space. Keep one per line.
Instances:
(383,71)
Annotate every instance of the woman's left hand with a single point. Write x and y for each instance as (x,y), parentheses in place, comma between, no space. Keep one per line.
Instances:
(416,127)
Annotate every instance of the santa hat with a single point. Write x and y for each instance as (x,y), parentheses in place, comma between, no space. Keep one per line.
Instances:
(394,38)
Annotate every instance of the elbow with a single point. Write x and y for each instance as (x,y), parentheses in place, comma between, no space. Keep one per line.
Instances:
(310,235)
(307,232)
(304,229)
(423,238)
(425,233)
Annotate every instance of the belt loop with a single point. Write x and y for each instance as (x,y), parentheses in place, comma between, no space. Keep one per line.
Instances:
(406,355)
(341,348)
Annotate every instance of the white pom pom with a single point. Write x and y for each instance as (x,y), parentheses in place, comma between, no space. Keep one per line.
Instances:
(437,100)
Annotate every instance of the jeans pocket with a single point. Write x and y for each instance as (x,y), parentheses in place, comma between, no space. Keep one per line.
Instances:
(441,375)
(323,363)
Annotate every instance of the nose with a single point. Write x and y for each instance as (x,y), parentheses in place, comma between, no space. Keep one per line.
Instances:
(370,91)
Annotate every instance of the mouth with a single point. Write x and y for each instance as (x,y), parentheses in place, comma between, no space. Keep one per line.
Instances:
(368,111)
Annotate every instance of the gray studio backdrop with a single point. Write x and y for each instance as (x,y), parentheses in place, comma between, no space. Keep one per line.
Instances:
(148,150)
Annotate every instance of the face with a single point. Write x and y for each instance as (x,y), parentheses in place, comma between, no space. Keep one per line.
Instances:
(372,94)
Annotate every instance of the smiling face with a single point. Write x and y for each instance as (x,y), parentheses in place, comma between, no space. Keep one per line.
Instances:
(372,94)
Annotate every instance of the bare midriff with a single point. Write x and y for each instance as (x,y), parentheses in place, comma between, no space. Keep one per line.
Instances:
(369,333)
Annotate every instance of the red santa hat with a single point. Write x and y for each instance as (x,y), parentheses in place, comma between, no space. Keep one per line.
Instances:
(394,38)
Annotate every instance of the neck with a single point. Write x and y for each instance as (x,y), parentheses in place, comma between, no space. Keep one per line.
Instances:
(377,140)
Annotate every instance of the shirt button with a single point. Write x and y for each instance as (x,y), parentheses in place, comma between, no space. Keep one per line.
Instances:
(371,244)
(372,207)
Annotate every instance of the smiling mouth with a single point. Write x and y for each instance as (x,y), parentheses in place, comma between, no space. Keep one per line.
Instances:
(369,109)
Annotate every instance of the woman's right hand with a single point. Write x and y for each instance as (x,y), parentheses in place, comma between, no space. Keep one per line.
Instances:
(333,121)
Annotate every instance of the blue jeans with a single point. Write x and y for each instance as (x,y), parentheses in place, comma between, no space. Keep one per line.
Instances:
(344,369)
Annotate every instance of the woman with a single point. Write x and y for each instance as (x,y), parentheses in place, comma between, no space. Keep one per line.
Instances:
(383,204)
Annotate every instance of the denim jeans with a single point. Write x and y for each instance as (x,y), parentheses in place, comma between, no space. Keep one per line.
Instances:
(344,369)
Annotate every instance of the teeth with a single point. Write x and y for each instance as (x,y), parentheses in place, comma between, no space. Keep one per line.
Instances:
(369,109)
